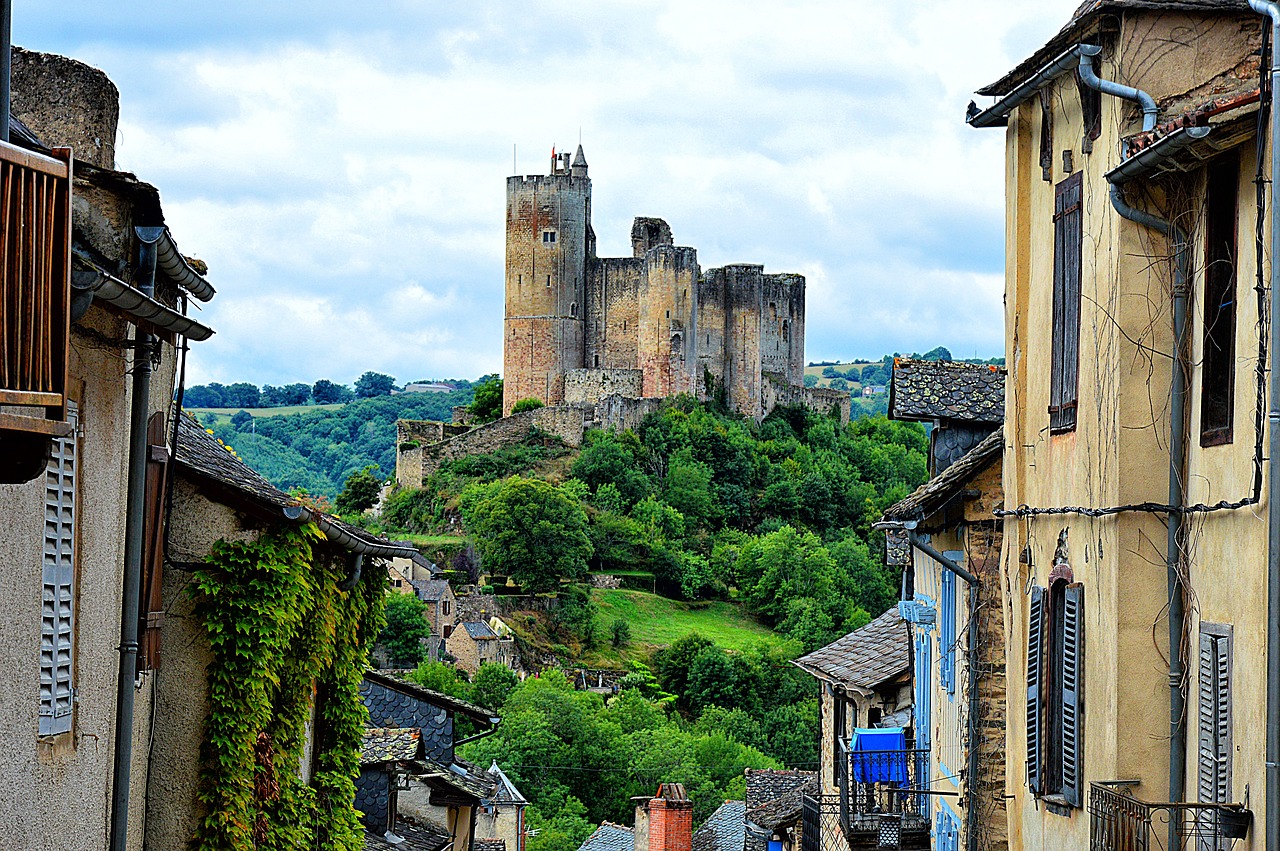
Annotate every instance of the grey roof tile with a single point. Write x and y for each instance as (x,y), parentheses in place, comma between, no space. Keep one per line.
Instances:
(389,744)
(489,845)
(785,808)
(946,390)
(610,837)
(479,631)
(865,658)
(725,830)
(764,784)
(430,590)
(418,835)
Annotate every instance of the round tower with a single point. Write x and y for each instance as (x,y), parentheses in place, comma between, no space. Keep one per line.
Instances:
(548,244)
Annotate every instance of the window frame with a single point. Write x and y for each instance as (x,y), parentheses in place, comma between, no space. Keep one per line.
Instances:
(1068,244)
(1221,252)
(1055,690)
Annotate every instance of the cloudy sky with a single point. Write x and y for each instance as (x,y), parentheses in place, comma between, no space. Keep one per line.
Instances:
(341,166)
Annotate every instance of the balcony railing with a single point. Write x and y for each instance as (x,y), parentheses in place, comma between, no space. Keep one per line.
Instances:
(1121,822)
(35,284)
(875,782)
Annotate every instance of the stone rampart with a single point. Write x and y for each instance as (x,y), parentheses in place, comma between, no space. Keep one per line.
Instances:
(776,391)
(560,421)
(624,412)
(589,386)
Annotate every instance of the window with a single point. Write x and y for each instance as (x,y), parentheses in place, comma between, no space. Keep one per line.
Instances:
(1065,368)
(548,280)
(1214,768)
(573,309)
(1217,389)
(548,237)
(57,630)
(947,629)
(838,723)
(1055,706)
(444,607)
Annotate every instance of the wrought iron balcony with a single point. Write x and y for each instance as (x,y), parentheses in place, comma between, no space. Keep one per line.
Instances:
(882,801)
(1120,822)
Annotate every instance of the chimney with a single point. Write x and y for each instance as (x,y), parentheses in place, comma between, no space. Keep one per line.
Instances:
(67,103)
(669,820)
(641,829)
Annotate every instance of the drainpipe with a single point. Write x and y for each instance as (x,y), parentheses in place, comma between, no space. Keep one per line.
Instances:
(1177,426)
(145,345)
(6,64)
(1272,806)
(971,809)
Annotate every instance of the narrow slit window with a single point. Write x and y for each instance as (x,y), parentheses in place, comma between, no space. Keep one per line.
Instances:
(1067,244)
(548,280)
(1217,387)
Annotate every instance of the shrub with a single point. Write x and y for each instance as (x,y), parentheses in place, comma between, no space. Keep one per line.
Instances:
(527,405)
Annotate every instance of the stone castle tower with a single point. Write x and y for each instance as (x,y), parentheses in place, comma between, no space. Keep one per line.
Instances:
(580,327)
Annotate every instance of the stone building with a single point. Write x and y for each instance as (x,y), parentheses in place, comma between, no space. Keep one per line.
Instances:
(580,327)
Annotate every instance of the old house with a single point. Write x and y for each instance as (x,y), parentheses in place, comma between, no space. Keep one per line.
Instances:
(868,749)
(442,604)
(93,302)
(1140,585)
(769,818)
(433,789)
(473,643)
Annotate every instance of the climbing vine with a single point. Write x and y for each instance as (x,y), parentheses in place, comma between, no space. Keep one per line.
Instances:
(283,634)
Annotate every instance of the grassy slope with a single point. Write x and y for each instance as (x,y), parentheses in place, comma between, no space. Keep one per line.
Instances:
(225,413)
(658,621)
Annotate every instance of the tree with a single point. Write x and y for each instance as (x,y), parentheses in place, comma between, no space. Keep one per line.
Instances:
(242,395)
(295,394)
(241,420)
(838,383)
(360,491)
(374,384)
(527,405)
(443,678)
(406,628)
(620,632)
(811,381)
(487,404)
(529,530)
(493,684)
(271,397)
(325,392)
(940,353)
(202,396)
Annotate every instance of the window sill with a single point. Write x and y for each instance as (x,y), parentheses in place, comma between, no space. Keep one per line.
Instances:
(1057,805)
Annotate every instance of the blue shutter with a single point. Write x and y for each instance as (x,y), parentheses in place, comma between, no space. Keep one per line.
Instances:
(1072,694)
(1035,672)
(57,629)
(947,633)
(924,691)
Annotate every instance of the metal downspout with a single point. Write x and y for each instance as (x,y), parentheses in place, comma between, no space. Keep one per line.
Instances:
(6,65)
(970,810)
(144,346)
(1272,798)
(1111,87)
(1177,460)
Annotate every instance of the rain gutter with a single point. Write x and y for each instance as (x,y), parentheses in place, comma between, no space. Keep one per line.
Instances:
(337,535)
(97,283)
(1272,786)
(177,269)
(1138,166)
(140,408)
(997,115)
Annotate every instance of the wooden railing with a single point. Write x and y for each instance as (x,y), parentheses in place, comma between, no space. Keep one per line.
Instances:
(35,283)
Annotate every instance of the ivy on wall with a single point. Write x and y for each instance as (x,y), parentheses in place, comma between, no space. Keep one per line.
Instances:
(284,638)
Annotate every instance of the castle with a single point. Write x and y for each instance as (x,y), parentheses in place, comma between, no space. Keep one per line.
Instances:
(581,328)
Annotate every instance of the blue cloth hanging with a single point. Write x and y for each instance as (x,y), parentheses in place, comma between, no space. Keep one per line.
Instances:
(879,755)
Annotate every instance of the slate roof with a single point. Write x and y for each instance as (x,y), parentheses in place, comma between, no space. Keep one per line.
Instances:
(1083,18)
(942,488)
(489,845)
(610,837)
(389,744)
(725,830)
(765,785)
(201,454)
(505,792)
(479,631)
(434,774)
(418,836)
(865,658)
(430,590)
(785,809)
(946,390)
(439,698)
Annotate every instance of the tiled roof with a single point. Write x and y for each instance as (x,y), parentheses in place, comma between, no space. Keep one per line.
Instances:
(418,835)
(489,845)
(438,698)
(764,785)
(430,589)
(505,792)
(201,454)
(785,808)
(389,744)
(939,490)
(865,658)
(1084,17)
(946,390)
(610,837)
(479,631)
(439,776)
(725,830)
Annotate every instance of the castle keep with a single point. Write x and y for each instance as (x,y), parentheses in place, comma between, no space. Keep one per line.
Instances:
(580,328)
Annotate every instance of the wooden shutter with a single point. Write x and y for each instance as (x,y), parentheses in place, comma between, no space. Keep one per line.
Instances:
(947,633)
(57,630)
(1072,694)
(1068,238)
(1215,718)
(151,612)
(1035,691)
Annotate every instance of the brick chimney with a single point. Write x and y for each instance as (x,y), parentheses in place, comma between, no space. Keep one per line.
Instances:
(665,821)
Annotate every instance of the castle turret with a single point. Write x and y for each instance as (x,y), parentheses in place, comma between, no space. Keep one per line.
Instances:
(548,243)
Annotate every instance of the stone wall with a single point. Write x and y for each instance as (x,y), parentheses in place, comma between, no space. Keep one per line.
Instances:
(67,104)
(462,415)
(613,312)
(589,386)
(775,391)
(622,412)
(667,352)
(562,421)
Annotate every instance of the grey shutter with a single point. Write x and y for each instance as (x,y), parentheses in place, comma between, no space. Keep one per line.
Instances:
(1035,693)
(1072,694)
(57,630)
(1068,237)
(1215,746)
